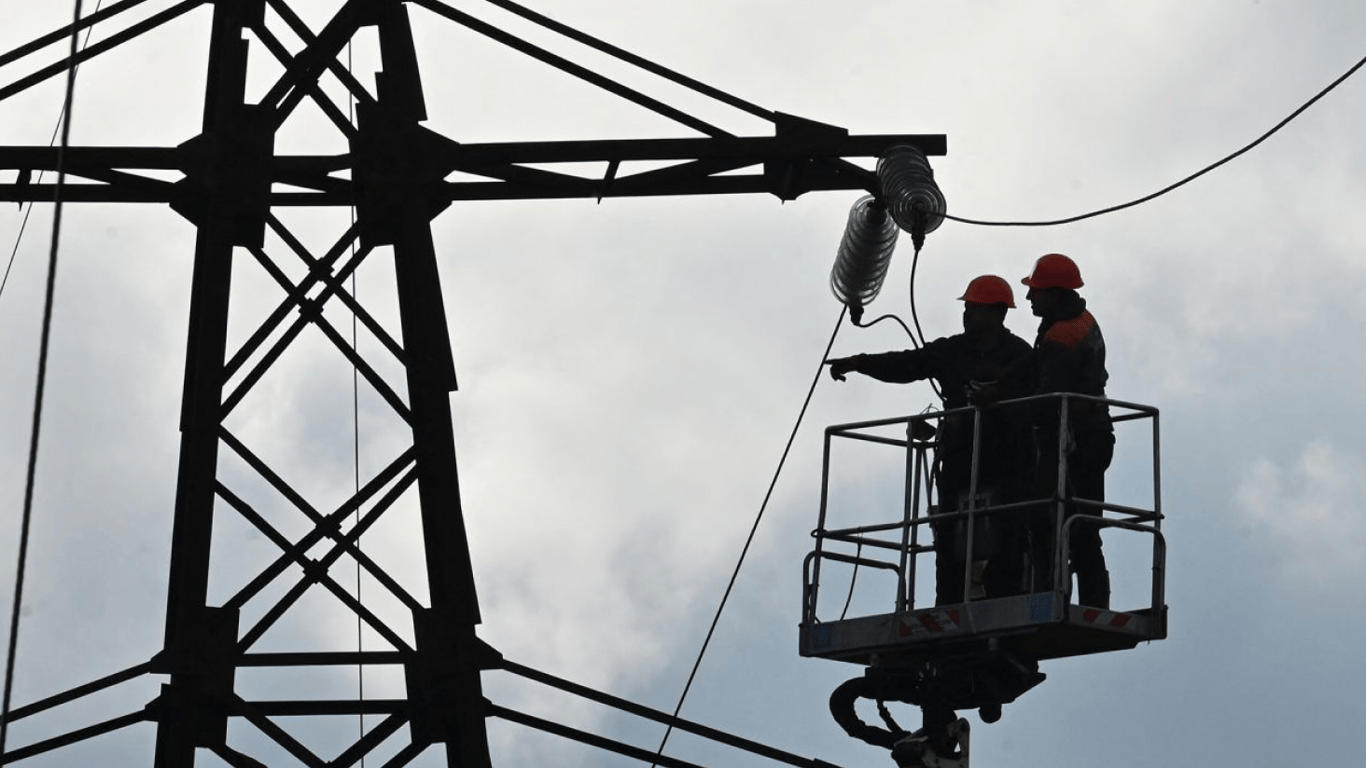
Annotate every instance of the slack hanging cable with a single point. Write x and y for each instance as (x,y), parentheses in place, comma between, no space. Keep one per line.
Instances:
(919,342)
(915,261)
(909,333)
(56,129)
(915,318)
(753,529)
(1207,169)
(853,580)
(41,385)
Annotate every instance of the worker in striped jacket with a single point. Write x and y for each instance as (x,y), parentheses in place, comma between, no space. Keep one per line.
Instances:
(1069,356)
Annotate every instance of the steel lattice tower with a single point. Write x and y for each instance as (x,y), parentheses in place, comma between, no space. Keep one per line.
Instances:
(397,178)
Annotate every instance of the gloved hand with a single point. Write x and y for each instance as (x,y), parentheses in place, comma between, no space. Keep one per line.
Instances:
(983,392)
(839,366)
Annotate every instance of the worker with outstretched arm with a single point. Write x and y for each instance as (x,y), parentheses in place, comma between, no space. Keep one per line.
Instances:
(969,368)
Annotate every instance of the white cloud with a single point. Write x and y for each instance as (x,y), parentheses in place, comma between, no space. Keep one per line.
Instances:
(1306,513)
(629,371)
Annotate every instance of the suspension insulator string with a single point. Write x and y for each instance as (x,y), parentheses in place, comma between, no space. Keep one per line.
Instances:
(864,254)
(912,196)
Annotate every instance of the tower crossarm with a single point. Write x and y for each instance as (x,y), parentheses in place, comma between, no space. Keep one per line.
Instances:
(783,165)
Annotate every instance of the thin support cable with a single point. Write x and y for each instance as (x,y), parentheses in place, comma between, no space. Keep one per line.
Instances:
(753,530)
(56,129)
(355,451)
(1207,169)
(43,347)
(355,442)
(23,225)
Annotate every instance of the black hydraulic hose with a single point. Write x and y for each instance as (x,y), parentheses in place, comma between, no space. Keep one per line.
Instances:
(842,708)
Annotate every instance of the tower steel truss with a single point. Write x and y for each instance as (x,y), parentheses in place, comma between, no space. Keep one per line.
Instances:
(232,185)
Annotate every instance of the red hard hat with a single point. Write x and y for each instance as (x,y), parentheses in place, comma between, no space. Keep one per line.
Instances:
(1054,270)
(989,289)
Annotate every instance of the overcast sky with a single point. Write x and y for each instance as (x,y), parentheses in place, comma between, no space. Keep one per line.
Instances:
(630,371)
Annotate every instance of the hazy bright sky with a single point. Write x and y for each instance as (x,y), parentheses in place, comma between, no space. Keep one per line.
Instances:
(630,371)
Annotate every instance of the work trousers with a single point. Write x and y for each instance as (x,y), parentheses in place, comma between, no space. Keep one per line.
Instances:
(1090,456)
(997,539)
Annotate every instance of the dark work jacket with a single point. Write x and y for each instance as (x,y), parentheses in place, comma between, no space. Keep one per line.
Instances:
(1069,356)
(954,362)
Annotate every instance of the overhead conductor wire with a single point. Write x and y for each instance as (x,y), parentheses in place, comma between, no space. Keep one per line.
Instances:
(41,384)
(1203,171)
(753,529)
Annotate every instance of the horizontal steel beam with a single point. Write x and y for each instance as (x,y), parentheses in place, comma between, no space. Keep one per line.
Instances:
(759,148)
(810,163)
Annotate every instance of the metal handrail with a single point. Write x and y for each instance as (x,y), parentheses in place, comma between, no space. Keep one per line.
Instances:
(918,480)
(1159,566)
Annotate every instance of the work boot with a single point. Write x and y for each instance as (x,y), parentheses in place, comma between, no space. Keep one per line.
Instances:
(1093,589)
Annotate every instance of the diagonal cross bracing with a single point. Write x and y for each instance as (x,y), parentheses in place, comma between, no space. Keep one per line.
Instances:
(378,483)
(334,113)
(230,182)
(90,52)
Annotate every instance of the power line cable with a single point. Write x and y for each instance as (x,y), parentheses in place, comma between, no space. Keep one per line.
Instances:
(753,529)
(43,346)
(1207,169)
(909,333)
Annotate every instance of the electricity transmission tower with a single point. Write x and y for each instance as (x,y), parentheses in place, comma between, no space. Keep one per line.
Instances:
(231,184)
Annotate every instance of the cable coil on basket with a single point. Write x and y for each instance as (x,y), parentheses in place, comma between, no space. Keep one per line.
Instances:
(864,254)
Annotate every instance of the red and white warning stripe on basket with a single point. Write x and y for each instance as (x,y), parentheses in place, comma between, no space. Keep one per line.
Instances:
(929,623)
(1098,618)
